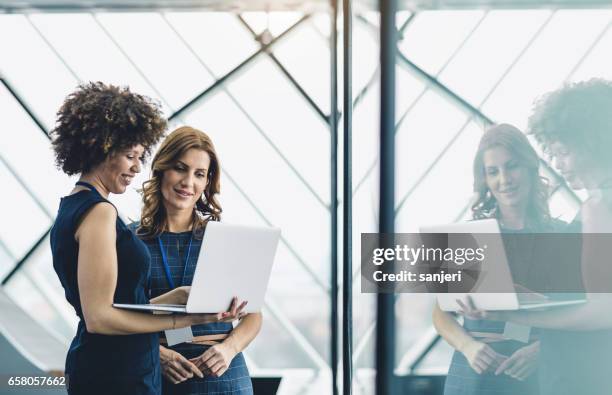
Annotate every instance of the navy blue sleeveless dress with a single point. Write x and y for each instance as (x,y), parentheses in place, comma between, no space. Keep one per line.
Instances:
(236,380)
(105,364)
(576,362)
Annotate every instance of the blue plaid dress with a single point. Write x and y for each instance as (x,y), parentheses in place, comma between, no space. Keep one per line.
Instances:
(236,380)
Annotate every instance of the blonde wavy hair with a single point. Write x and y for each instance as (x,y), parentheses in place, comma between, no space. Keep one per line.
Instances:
(153,220)
(511,138)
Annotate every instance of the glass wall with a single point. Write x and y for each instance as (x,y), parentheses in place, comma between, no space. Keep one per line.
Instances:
(456,71)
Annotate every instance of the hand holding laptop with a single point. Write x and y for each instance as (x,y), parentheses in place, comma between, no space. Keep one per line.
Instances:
(469,310)
(234,312)
(234,260)
(178,295)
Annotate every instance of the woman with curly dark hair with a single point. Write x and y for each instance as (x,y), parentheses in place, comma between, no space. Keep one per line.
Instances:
(103,133)
(509,188)
(574,125)
(178,201)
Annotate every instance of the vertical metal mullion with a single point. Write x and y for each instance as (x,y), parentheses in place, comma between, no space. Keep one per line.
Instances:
(347,245)
(333,206)
(385,329)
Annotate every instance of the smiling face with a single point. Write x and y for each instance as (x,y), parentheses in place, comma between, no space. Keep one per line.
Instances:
(183,184)
(569,166)
(119,169)
(506,178)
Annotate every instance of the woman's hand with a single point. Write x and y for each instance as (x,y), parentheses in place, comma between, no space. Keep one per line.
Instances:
(522,363)
(216,360)
(481,356)
(235,312)
(178,295)
(175,367)
(469,310)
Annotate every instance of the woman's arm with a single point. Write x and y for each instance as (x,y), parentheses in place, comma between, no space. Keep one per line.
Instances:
(178,295)
(97,280)
(596,266)
(450,330)
(217,359)
(244,333)
(479,355)
(594,314)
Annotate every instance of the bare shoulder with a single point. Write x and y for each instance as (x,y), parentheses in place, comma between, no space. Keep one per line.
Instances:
(100,217)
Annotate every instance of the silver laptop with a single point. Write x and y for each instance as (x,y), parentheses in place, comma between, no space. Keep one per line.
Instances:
(234,261)
(499,277)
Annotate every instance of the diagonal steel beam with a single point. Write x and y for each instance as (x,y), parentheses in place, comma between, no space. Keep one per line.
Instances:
(463,104)
(237,69)
(407,22)
(23,260)
(443,68)
(53,49)
(295,333)
(487,121)
(123,52)
(430,79)
(252,121)
(25,107)
(285,72)
(37,201)
(285,242)
(588,52)
(418,351)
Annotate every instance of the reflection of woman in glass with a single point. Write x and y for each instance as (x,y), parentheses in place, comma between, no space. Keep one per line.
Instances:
(509,188)
(179,200)
(574,124)
(103,133)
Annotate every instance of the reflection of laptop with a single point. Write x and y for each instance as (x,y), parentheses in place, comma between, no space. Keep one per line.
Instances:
(234,261)
(500,291)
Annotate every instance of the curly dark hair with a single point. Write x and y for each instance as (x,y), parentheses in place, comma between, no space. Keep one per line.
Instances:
(98,120)
(578,115)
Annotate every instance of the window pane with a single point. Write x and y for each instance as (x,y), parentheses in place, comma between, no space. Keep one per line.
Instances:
(546,64)
(36,288)
(91,54)
(490,51)
(23,222)
(306,56)
(160,54)
(261,173)
(22,59)
(598,63)
(29,153)
(434,35)
(275,22)
(210,34)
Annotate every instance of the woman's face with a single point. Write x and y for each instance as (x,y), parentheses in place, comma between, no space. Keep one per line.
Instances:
(566,162)
(119,169)
(183,184)
(507,179)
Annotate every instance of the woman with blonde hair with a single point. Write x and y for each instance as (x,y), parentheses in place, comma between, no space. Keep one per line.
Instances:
(574,125)
(179,200)
(509,189)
